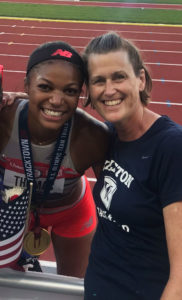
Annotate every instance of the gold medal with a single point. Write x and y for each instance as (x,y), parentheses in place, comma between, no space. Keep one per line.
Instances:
(36,246)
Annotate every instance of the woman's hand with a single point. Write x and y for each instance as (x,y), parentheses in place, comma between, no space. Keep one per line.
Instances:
(9,98)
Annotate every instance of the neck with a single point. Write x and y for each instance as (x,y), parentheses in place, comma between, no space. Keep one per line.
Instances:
(42,141)
(136,126)
(39,136)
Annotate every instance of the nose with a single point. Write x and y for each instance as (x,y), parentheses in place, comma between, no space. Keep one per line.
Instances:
(109,88)
(56,98)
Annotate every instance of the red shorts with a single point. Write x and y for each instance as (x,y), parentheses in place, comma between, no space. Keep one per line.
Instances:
(75,221)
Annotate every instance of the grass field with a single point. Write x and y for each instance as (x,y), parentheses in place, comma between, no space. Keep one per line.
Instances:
(63,12)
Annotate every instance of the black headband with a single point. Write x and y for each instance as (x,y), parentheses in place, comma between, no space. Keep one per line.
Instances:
(55,50)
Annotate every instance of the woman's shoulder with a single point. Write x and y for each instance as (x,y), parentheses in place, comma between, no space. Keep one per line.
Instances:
(169,137)
(85,119)
(90,140)
(90,129)
(171,131)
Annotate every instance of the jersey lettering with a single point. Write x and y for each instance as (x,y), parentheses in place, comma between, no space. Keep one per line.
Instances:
(123,175)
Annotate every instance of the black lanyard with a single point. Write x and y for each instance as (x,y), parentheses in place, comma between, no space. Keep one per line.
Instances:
(26,152)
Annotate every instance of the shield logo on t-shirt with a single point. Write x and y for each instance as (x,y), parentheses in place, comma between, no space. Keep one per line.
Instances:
(108,191)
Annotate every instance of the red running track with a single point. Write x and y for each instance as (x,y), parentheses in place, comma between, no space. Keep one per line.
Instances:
(161,47)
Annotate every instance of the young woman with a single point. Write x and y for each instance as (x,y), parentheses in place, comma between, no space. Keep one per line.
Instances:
(46,146)
(136,250)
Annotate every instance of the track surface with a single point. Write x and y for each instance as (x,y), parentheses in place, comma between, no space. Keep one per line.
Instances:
(161,48)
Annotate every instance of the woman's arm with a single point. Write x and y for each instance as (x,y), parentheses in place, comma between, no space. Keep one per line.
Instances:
(173,225)
(6,123)
(8,98)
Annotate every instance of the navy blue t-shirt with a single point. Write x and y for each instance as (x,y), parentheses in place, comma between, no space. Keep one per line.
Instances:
(129,257)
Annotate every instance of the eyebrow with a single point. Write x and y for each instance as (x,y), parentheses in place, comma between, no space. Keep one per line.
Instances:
(50,82)
(111,75)
(97,77)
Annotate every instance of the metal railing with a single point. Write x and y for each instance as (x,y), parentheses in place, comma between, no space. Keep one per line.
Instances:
(39,286)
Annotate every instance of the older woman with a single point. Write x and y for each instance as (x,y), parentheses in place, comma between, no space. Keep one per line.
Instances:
(136,250)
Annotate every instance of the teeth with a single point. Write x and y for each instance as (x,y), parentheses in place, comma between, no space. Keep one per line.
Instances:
(52,112)
(112,102)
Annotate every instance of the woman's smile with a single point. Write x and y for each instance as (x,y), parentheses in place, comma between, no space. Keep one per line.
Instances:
(112,102)
(52,114)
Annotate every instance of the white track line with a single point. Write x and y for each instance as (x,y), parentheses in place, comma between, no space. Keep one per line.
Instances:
(161,51)
(46,263)
(153,79)
(83,37)
(161,64)
(91,30)
(147,63)
(167,80)
(82,47)
(165,103)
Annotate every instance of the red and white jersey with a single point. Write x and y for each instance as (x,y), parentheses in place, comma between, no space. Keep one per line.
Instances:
(13,204)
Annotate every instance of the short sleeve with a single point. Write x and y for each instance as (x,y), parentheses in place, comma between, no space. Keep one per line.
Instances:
(170,171)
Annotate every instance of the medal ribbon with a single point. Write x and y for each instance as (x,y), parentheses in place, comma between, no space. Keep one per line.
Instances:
(40,243)
(26,152)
